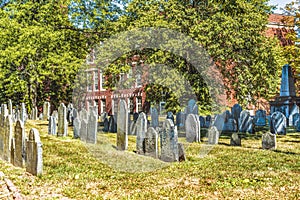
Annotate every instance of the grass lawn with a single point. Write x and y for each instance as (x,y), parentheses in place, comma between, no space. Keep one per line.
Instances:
(74,170)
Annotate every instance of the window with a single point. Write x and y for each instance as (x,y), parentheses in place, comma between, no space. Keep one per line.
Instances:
(103,106)
(89,80)
(130,105)
(138,104)
(102,81)
(96,80)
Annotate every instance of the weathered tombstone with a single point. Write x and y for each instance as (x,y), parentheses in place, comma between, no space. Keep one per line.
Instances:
(76,128)
(106,125)
(269,141)
(246,124)
(235,111)
(235,140)
(192,128)
(294,110)
(213,135)
(202,121)
(135,116)
(92,128)
(112,124)
(296,117)
(170,116)
(62,121)
(219,122)
(52,126)
(180,119)
(207,121)
(154,118)
(8,125)
(260,118)
(230,125)
(122,126)
(278,123)
(181,153)
(19,144)
(34,151)
(83,130)
(169,142)
(141,129)
(46,110)
(84,114)
(192,107)
(151,143)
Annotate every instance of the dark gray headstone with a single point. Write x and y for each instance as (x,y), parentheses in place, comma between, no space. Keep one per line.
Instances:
(192,128)
(154,118)
(235,111)
(294,110)
(92,128)
(19,144)
(207,121)
(219,122)
(230,125)
(235,140)
(135,116)
(46,110)
(169,142)
(180,119)
(202,121)
(34,151)
(269,141)
(106,125)
(112,124)
(76,130)
(122,126)
(141,129)
(260,118)
(246,124)
(151,143)
(278,123)
(213,135)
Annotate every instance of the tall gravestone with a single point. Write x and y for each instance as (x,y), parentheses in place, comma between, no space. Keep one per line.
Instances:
(154,118)
(207,121)
(8,137)
(46,110)
(23,113)
(246,124)
(52,126)
(180,119)
(62,129)
(278,123)
(151,143)
(19,144)
(169,142)
(122,126)
(34,151)
(76,128)
(202,121)
(105,125)
(294,110)
(141,129)
(83,130)
(92,128)
(192,128)
(10,107)
(236,111)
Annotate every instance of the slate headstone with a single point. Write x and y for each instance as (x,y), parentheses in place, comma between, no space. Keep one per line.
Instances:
(295,117)
(235,140)
(170,116)
(192,128)
(180,119)
(141,129)
(19,144)
(76,130)
(92,128)
(192,107)
(151,143)
(260,118)
(169,142)
(269,141)
(62,129)
(213,135)
(278,123)
(122,126)
(34,151)
(246,124)
(83,130)
(294,110)
(235,111)
(154,118)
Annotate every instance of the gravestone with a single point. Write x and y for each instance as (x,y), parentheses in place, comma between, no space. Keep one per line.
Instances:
(154,118)
(246,124)
(151,143)
(8,135)
(202,121)
(106,125)
(12,151)
(260,118)
(23,113)
(92,128)
(122,126)
(76,129)
(34,151)
(269,141)
(52,126)
(84,114)
(297,125)
(230,125)
(219,122)
(62,129)
(192,128)
(170,116)
(19,144)
(181,153)
(213,135)
(34,113)
(112,124)
(296,117)
(192,107)
(278,123)
(83,130)
(10,107)
(169,142)
(135,116)
(46,110)
(294,110)
(180,119)
(207,121)
(235,140)
(236,111)
(141,129)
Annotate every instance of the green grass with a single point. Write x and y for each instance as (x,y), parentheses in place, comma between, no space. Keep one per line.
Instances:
(76,170)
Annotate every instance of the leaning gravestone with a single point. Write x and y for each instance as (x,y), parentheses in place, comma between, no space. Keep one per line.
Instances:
(213,135)
(236,111)
(34,151)
(92,128)
(235,140)
(141,129)
(294,110)
(246,124)
(192,128)
(151,141)
(76,130)
(122,126)
(19,144)
(154,118)
(278,123)
(46,110)
(62,121)
(269,141)
(169,142)
(260,118)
